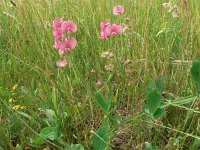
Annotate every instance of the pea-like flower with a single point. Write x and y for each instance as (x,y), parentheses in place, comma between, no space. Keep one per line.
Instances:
(118,10)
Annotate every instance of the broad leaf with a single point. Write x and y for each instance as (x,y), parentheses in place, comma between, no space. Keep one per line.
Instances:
(159,113)
(102,103)
(100,139)
(153,102)
(51,133)
(160,86)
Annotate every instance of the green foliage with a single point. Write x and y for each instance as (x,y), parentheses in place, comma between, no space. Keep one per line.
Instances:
(153,102)
(153,44)
(196,73)
(148,146)
(101,139)
(102,103)
(74,147)
(49,133)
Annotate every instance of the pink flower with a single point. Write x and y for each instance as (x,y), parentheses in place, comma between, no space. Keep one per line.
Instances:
(57,23)
(68,26)
(118,10)
(62,63)
(113,30)
(57,45)
(68,45)
(103,26)
(98,83)
(58,34)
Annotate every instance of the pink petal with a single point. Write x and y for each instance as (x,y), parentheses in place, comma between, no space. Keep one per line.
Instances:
(68,26)
(103,26)
(57,45)
(68,45)
(61,64)
(113,30)
(58,34)
(57,23)
(118,10)
(104,36)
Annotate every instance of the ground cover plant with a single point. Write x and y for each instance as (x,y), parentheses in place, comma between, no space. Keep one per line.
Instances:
(102,75)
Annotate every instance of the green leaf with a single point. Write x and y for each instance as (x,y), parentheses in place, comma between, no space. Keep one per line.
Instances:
(196,73)
(24,114)
(100,139)
(106,122)
(102,103)
(150,86)
(160,86)
(159,113)
(148,146)
(74,147)
(49,113)
(153,102)
(51,133)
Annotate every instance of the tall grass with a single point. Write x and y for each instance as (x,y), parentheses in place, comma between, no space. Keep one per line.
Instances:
(27,59)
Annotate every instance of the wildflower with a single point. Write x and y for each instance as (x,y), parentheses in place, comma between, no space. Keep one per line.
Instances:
(11,100)
(58,34)
(108,55)
(23,107)
(103,26)
(118,10)
(61,43)
(68,26)
(109,67)
(124,27)
(57,45)
(113,30)
(105,54)
(14,87)
(167,5)
(16,107)
(98,83)
(57,23)
(68,44)
(93,70)
(174,14)
(61,52)
(61,64)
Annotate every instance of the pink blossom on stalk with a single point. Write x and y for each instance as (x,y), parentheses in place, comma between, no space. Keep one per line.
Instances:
(68,45)
(62,63)
(57,23)
(58,34)
(113,30)
(68,26)
(103,26)
(118,10)
(57,45)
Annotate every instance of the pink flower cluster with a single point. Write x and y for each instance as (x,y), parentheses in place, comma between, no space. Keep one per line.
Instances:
(108,29)
(60,29)
(63,42)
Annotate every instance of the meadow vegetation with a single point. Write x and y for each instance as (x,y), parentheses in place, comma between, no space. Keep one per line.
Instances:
(137,90)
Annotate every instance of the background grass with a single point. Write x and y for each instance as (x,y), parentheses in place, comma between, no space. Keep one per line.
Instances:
(27,59)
